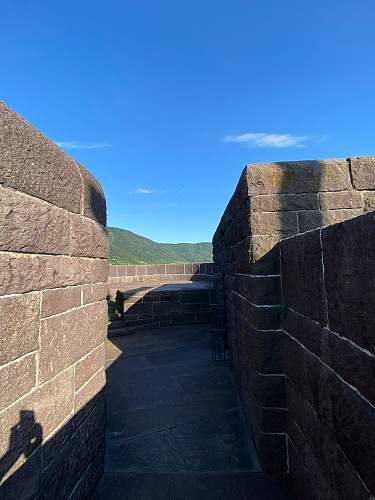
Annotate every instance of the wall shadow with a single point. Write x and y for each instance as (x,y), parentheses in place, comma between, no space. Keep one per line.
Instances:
(68,464)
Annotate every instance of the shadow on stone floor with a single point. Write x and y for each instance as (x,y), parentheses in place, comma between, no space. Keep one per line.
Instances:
(175,427)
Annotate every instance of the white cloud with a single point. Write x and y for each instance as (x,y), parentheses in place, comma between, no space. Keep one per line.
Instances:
(144,190)
(265,140)
(82,145)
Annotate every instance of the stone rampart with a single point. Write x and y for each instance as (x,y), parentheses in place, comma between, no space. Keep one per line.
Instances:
(328,356)
(122,275)
(274,202)
(53,274)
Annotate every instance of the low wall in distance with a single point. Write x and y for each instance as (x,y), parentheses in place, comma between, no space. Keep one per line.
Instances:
(119,276)
(53,274)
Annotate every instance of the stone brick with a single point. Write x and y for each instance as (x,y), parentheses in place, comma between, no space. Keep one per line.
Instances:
(261,317)
(16,379)
(281,223)
(343,199)
(87,238)
(259,350)
(88,366)
(69,336)
(31,225)
(94,204)
(261,245)
(258,289)
(298,177)
(112,271)
(308,220)
(369,199)
(363,172)
(94,293)
(19,326)
(33,164)
(307,332)
(89,390)
(22,273)
(302,276)
(349,255)
(60,300)
(341,355)
(284,202)
(272,452)
(55,401)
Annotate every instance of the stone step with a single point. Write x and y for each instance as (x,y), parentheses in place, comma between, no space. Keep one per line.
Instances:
(193,486)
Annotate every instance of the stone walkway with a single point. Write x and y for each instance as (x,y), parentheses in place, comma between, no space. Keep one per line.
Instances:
(175,428)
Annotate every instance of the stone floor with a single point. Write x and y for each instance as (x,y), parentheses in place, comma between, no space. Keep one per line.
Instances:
(175,428)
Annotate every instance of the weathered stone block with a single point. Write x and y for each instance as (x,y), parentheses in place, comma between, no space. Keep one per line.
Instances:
(94,204)
(261,317)
(60,300)
(280,223)
(284,202)
(308,220)
(55,401)
(33,164)
(16,379)
(272,452)
(87,238)
(69,336)
(89,390)
(259,289)
(260,350)
(22,273)
(363,172)
(349,255)
(343,199)
(298,177)
(19,326)
(342,355)
(304,330)
(369,199)
(86,367)
(94,293)
(302,276)
(31,225)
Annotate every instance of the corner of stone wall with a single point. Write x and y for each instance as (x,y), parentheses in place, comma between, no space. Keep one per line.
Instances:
(274,201)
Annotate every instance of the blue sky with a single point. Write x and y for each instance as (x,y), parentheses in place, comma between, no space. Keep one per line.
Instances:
(165,101)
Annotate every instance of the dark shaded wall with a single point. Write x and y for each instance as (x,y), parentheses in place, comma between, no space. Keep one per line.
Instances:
(328,351)
(53,285)
(273,202)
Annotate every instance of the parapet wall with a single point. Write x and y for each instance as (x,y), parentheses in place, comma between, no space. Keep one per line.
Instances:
(328,356)
(127,274)
(53,274)
(273,202)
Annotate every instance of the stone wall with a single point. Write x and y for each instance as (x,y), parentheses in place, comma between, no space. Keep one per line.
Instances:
(124,275)
(53,273)
(273,202)
(328,351)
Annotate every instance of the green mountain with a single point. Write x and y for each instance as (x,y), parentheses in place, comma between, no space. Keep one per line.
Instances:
(126,247)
